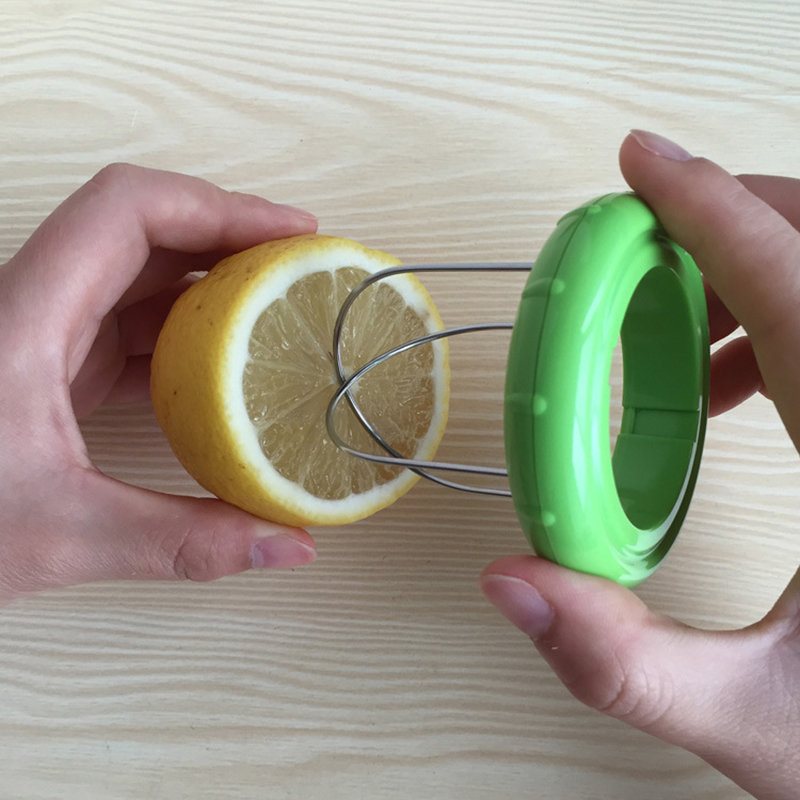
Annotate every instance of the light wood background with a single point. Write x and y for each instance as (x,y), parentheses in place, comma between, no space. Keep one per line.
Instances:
(450,130)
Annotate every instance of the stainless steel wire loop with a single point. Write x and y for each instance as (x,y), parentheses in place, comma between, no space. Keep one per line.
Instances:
(394,458)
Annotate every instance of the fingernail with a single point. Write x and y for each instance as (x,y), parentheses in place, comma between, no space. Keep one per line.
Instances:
(281,551)
(660,145)
(298,212)
(519,602)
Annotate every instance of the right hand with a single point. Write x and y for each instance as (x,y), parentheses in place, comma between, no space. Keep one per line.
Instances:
(732,697)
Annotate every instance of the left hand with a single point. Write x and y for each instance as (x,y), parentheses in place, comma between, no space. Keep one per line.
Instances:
(81,306)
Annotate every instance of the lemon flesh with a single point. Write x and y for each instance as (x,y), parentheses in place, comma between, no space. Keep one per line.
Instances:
(243,373)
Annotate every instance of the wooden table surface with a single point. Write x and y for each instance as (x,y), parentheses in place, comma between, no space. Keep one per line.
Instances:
(451,130)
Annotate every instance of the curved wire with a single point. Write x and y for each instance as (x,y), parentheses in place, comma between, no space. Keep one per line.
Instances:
(395,458)
(417,466)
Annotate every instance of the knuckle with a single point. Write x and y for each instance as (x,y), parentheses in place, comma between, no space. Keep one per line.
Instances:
(212,553)
(715,228)
(640,698)
(627,688)
(114,175)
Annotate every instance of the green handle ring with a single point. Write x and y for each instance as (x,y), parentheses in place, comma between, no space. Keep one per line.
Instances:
(608,271)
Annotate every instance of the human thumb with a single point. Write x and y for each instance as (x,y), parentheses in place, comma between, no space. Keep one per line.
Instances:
(98,528)
(723,694)
(200,539)
(610,650)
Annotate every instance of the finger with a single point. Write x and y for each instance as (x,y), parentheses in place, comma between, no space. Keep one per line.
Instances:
(721,322)
(734,235)
(163,269)
(716,694)
(609,650)
(90,250)
(747,251)
(128,532)
(783,194)
(107,377)
(112,372)
(734,376)
(129,384)
(133,383)
(102,367)
(140,324)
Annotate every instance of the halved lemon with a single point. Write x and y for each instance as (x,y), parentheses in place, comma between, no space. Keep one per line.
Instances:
(243,372)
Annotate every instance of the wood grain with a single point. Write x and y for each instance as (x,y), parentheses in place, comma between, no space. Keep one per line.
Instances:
(451,130)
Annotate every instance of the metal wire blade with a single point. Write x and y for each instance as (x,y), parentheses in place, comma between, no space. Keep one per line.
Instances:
(394,458)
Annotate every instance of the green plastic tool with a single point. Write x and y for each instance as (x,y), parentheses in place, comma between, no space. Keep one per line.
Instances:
(607,273)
